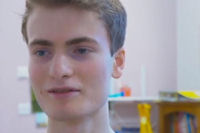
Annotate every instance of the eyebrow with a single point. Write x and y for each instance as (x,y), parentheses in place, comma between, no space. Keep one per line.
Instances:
(40,42)
(81,40)
(43,42)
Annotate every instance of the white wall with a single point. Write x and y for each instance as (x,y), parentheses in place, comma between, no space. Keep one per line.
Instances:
(188,44)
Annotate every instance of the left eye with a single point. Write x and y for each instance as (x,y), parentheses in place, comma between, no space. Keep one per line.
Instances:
(82,51)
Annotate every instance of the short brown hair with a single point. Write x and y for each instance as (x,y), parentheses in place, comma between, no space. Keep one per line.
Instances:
(111,12)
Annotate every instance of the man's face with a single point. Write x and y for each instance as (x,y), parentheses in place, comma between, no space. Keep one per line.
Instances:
(70,62)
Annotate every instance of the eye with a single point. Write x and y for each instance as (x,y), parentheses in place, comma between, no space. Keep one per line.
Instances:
(41,53)
(82,51)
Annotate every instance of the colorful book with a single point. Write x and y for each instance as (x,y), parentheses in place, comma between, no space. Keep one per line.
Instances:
(182,123)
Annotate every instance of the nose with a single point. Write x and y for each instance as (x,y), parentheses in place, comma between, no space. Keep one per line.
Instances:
(60,67)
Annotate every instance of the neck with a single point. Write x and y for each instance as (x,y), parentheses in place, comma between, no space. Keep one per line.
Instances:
(96,123)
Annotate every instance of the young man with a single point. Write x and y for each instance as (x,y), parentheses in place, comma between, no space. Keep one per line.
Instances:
(75,48)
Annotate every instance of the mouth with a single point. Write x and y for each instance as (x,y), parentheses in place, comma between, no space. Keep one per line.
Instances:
(63,92)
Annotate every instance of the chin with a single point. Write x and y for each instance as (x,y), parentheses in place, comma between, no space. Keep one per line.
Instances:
(67,115)
(82,112)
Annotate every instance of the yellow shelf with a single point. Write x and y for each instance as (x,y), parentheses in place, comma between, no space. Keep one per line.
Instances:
(167,108)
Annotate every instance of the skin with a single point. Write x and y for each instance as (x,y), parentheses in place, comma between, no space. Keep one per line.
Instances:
(70,50)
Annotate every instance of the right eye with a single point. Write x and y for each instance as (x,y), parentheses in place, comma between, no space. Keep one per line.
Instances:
(41,53)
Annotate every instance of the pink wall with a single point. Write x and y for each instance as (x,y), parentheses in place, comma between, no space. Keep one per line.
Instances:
(151,42)
(13,54)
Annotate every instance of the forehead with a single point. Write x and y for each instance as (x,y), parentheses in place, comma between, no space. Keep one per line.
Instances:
(63,10)
(65,22)
(63,14)
(61,17)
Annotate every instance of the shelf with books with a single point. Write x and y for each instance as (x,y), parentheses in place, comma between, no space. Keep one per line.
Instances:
(181,122)
(179,117)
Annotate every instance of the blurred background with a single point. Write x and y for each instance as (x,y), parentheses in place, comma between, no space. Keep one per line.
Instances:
(163,54)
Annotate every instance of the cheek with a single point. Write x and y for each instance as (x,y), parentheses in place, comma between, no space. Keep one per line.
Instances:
(96,76)
(37,75)
(97,70)
(37,79)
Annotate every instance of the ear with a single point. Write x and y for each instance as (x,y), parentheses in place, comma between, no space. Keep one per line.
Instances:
(119,62)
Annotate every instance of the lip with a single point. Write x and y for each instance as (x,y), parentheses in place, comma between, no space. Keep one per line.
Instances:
(63,92)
